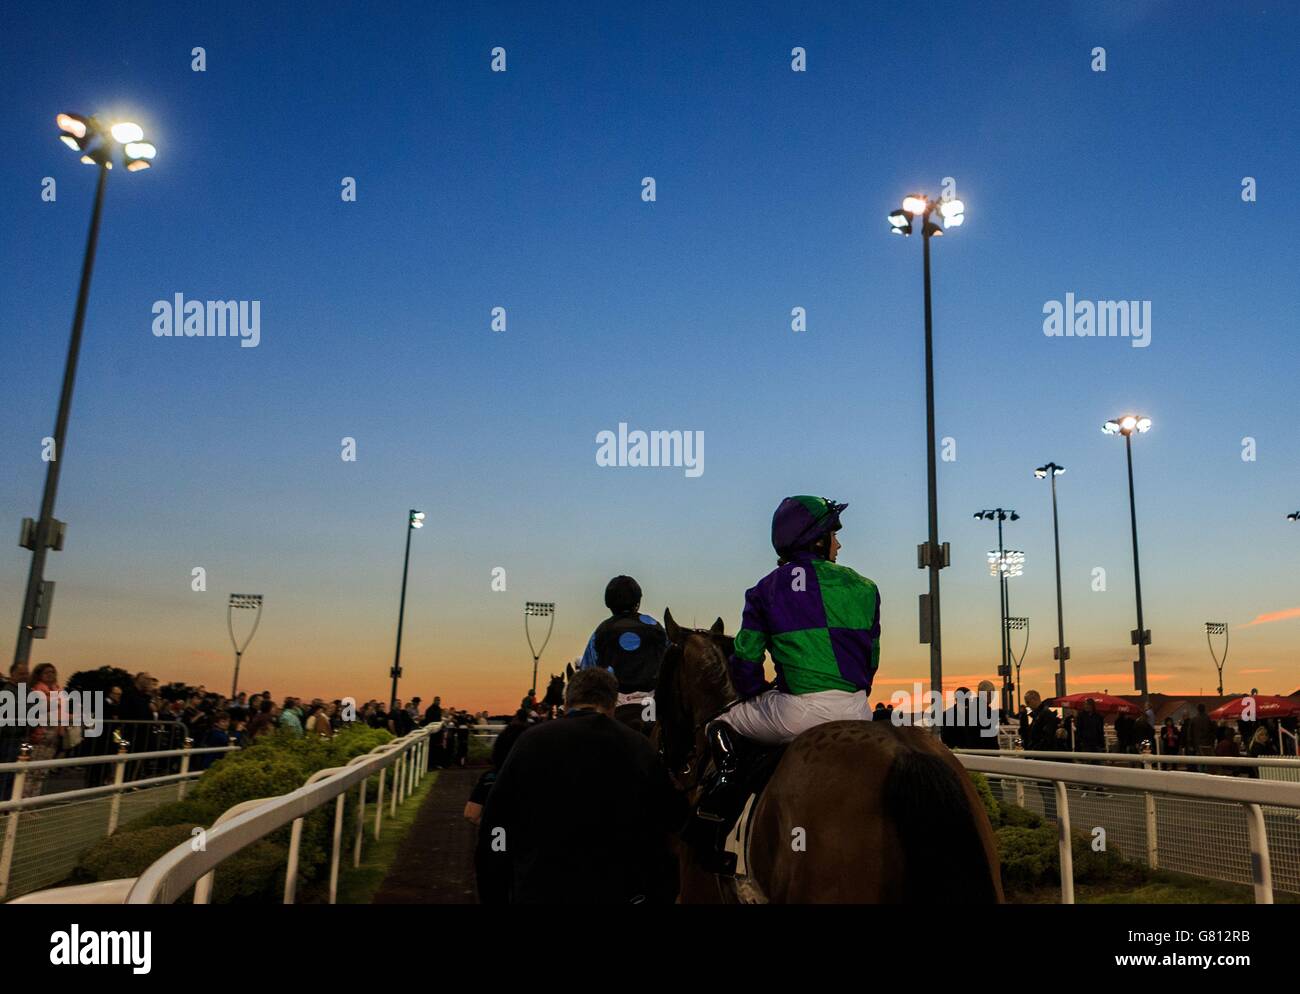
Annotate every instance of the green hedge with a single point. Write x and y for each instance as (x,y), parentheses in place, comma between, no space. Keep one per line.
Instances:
(1027,848)
(274,765)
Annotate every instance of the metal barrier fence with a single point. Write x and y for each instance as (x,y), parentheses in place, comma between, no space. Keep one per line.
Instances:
(138,737)
(56,828)
(168,878)
(399,765)
(1229,828)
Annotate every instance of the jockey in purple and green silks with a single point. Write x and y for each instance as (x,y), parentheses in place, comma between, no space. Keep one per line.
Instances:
(820,622)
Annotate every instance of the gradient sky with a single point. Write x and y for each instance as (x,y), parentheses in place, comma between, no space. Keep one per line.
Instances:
(522,189)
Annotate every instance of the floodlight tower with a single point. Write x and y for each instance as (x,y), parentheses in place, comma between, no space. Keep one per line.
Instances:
(241,602)
(538,609)
(1141,637)
(931,555)
(98,144)
(414,520)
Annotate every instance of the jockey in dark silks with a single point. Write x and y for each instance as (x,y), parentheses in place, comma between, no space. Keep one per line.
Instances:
(629,644)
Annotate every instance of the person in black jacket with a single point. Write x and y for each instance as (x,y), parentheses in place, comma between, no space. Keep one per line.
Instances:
(1042,722)
(581,811)
(1090,729)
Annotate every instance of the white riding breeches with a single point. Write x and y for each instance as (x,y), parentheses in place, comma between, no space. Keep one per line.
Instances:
(774,717)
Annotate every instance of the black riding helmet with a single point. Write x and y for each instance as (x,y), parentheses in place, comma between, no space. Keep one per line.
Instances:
(622,594)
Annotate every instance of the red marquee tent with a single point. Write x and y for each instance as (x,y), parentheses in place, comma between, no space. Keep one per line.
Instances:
(1266,706)
(1106,703)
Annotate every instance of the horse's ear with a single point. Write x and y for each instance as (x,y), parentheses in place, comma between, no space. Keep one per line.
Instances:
(717,627)
(670,626)
(568,672)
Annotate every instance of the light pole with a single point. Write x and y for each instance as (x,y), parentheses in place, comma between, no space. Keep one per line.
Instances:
(414,520)
(98,144)
(1141,637)
(538,609)
(241,602)
(1019,625)
(1001,564)
(930,555)
(1217,628)
(1052,471)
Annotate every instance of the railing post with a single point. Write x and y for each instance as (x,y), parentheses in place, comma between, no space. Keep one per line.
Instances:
(1153,840)
(338,844)
(291,871)
(203,889)
(361,822)
(395,782)
(397,786)
(1064,843)
(11,822)
(1261,867)
(115,806)
(185,769)
(379,806)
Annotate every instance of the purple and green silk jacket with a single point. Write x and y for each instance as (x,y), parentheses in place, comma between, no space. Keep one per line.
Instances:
(821,623)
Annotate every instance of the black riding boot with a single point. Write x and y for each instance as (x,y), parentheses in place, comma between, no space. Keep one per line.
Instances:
(721,800)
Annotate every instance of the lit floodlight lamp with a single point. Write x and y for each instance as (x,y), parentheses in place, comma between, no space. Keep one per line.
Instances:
(417,519)
(1127,425)
(126,132)
(914,204)
(73,124)
(1293,516)
(76,131)
(952,208)
(138,156)
(900,223)
(1014,564)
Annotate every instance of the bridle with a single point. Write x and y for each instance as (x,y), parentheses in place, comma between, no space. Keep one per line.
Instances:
(682,773)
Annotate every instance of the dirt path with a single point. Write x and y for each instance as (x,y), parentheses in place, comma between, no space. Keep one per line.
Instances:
(435,863)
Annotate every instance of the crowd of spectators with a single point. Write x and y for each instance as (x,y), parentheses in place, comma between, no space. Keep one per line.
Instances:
(1197,734)
(143,715)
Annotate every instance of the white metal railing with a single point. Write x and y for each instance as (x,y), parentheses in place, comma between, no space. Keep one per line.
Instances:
(1148,759)
(170,876)
(1250,794)
(58,852)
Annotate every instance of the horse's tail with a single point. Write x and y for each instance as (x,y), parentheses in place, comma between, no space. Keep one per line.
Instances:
(944,854)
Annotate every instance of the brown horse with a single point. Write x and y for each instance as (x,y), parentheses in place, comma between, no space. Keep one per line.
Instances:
(855,812)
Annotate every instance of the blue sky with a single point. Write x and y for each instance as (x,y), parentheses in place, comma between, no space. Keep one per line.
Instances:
(523,190)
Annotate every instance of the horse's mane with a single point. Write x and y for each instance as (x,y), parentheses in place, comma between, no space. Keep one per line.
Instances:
(711,686)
